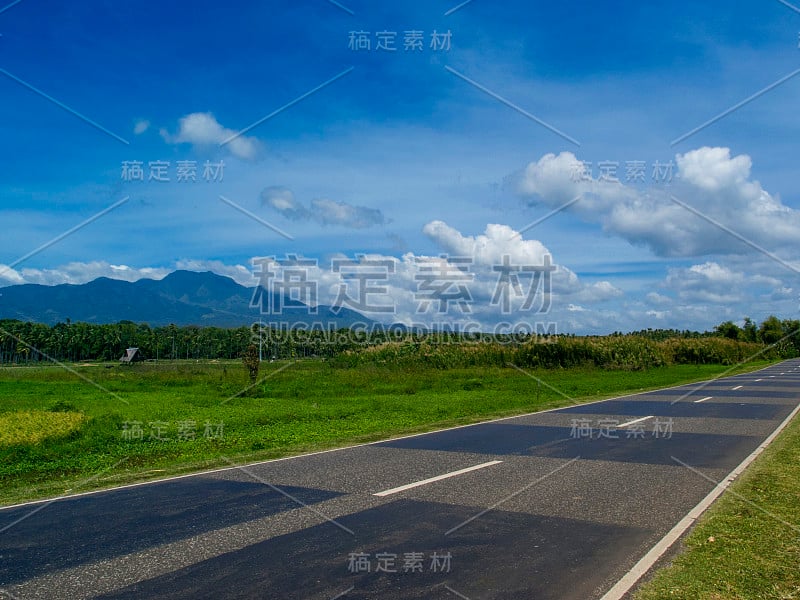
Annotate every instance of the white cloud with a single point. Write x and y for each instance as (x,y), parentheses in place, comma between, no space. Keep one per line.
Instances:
(78,273)
(657,299)
(239,273)
(202,129)
(321,210)
(141,126)
(499,243)
(282,200)
(707,179)
(600,291)
(783,293)
(712,283)
(713,169)
(490,248)
(332,212)
(659,315)
(9,276)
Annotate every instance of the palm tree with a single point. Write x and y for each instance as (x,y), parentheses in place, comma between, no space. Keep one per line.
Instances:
(25,351)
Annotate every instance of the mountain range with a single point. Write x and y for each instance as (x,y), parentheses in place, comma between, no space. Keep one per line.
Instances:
(182,297)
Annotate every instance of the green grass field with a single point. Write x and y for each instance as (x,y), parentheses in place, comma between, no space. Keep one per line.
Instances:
(114,425)
(747,546)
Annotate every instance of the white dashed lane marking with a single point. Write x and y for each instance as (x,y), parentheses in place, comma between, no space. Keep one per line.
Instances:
(635,421)
(437,478)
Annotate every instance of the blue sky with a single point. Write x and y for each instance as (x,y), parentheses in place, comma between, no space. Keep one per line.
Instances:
(401,142)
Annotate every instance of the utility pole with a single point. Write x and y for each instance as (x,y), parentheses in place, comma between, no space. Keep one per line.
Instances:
(260,329)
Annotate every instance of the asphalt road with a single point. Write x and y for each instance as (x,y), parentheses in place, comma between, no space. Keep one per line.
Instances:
(558,504)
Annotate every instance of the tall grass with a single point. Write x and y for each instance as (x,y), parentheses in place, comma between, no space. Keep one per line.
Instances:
(610,352)
(33,426)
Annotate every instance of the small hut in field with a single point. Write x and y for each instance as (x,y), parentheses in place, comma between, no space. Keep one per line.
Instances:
(132,355)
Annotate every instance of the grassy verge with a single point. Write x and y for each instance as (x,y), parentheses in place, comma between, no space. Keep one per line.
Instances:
(747,546)
(303,406)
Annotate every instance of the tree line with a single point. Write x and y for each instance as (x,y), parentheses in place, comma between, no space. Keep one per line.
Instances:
(25,342)
(73,342)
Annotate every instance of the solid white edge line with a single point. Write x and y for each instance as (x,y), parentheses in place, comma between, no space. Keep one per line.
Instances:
(624,585)
(409,486)
(703,399)
(635,421)
(340,449)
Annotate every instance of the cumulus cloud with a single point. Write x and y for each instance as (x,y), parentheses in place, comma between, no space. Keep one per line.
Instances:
(487,249)
(9,276)
(466,269)
(700,296)
(707,179)
(713,169)
(203,130)
(239,273)
(600,291)
(501,243)
(712,283)
(321,210)
(656,299)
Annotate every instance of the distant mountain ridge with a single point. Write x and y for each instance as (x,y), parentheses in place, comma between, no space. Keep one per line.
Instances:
(182,297)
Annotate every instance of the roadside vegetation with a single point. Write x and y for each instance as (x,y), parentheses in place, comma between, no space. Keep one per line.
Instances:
(746,546)
(625,353)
